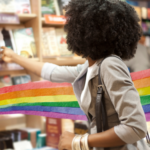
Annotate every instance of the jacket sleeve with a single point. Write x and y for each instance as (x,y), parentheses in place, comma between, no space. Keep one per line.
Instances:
(55,73)
(125,99)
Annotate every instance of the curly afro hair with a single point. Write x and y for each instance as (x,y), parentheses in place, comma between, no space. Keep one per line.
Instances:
(99,28)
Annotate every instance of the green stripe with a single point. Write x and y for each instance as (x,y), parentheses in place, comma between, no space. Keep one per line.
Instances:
(51,104)
(145,100)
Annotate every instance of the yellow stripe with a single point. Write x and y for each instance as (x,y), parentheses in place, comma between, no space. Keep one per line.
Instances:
(144,91)
(62,98)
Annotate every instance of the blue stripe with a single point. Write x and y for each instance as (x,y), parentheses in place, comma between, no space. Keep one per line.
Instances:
(65,110)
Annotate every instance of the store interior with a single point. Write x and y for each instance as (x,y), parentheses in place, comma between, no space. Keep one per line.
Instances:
(35,29)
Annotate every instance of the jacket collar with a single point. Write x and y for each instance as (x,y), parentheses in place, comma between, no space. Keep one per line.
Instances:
(83,71)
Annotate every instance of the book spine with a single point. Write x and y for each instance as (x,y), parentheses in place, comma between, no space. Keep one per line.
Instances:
(12,41)
(57,8)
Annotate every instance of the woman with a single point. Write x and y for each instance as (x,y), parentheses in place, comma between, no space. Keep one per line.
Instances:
(98,29)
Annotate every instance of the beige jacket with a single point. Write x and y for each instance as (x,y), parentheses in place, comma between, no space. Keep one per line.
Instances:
(123,106)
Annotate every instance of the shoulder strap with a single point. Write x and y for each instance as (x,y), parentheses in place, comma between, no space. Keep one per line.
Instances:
(100,107)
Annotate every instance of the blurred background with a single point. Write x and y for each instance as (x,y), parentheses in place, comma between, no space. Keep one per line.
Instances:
(35,29)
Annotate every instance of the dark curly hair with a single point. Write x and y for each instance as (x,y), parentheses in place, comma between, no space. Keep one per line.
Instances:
(98,28)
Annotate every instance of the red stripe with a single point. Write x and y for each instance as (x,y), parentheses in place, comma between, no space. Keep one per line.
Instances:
(140,75)
(33,85)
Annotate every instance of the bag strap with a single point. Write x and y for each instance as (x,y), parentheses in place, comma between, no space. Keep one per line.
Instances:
(100,107)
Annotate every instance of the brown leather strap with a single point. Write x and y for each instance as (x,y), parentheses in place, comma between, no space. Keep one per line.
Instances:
(100,107)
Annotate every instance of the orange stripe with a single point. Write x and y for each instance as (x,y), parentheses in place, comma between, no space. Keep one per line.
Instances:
(38,92)
(142,83)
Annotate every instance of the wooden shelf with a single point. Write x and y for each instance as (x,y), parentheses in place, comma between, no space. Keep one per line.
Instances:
(26,17)
(16,71)
(50,25)
(12,72)
(71,61)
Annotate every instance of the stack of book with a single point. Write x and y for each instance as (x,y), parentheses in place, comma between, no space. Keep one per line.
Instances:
(54,43)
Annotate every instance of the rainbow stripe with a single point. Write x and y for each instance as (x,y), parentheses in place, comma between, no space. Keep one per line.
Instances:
(58,100)
(141,82)
(41,98)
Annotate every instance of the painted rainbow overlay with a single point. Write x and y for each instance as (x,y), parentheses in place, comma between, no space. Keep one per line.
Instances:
(141,82)
(57,100)
(41,98)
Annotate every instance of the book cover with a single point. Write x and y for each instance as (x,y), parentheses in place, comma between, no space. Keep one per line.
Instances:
(5,81)
(49,43)
(33,135)
(25,42)
(7,6)
(57,9)
(62,4)
(144,12)
(53,129)
(62,43)
(48,7)
(23,6)
(148,13)
(6,39)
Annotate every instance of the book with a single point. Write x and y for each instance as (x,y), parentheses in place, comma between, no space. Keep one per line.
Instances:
(7,6)
(15,6)
(21,79)
(5,81)
(148,13)
(32,135)
(53,129)
(41,140)
(144,12)
(62,4)
(25,42)
(23,6)
(49,43)
(57,9)
(48,7)
(62,43)
(6,38)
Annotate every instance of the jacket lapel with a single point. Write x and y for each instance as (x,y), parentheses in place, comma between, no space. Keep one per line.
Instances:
(78,86)
(79,83)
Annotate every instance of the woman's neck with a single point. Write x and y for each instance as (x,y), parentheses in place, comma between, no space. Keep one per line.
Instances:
(91,62)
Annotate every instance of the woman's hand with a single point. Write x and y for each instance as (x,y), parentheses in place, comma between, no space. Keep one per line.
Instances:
(65,142)
(7,54)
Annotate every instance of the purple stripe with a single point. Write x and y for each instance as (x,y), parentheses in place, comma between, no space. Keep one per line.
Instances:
(48,114)
(147,115)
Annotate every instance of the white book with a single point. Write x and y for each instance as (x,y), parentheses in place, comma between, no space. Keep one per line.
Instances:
(57,8)
(7,6)
(23,6)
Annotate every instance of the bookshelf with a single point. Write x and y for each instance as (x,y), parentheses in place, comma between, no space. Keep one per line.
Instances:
(26,17)
(36,21)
